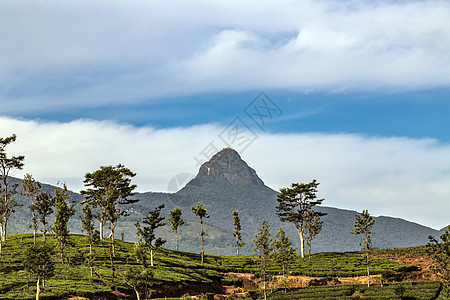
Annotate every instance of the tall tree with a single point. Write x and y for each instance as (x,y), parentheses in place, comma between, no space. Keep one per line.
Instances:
(200,212)
(440,253)
(31,188)
(87,224)
(364,225)
(44,207)
(109,188)
(237,231)
(283,252)
(38,261)
(294,203)
(153,220)
(64,211)
(176,222)
(263,248)
(7,201)
(313,226)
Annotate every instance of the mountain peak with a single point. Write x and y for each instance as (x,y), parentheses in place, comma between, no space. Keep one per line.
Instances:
(227,164)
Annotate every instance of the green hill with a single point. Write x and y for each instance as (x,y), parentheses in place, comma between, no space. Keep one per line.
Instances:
(176,273)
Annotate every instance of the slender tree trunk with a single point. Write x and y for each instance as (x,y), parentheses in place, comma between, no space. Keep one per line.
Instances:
(1,249)
(264,280)
(302,242)
(367,249)
(4,227)
(112,264)
(138,297)
(309,250)
(34,228)
(38,289)
(112,241)
(202,240)
(237,251)
(151,257)
(61,249)
(101,227)
(43,232)
(176,237)
(368,272)
(90,257)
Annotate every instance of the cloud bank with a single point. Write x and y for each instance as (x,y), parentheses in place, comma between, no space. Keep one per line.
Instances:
(83,53)
(399,177)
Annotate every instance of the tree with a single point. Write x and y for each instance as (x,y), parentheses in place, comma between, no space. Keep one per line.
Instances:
(313,226)
(44,207)
(7,202)
(237,231)
(176,222)
(364,225)
(31,188)
(87,224)
(440,253)
(200,212)
(283,253)
(294,203)
(263,248)
(64,211)
(153,220)
(139,277)
(109,189)
(38,261)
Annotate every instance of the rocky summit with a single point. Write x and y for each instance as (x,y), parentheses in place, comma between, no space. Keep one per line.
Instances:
(228,165)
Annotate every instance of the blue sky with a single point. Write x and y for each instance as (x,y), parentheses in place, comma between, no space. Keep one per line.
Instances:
(361,90)
(415,114)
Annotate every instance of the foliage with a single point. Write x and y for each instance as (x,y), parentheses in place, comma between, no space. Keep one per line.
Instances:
(313,226)
(440,252)
(44,207)
(295,202)
(31,188)
(283,252)
(7,201)
(200,212)
(176,222)
(38,261)
(237,231)
(109,188)
(87,225)
(64,211)
(364,225)
(263,248)
(153,220)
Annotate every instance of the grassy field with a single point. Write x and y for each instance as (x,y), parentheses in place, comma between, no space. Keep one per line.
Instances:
(178,272)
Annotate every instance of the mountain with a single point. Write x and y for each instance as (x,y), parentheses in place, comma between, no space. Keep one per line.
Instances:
(226,183)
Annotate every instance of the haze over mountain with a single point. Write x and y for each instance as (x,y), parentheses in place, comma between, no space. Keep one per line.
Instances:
(226,183)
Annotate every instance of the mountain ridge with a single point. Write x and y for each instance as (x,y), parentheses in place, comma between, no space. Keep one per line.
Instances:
(226,183)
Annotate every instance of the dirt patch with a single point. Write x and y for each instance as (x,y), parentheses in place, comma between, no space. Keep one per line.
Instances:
(424,264)
(115,295)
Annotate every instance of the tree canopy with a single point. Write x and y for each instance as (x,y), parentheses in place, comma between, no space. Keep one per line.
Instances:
(295,202)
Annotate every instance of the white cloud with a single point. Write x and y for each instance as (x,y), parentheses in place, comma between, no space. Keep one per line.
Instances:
(92,53)
(399,177)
